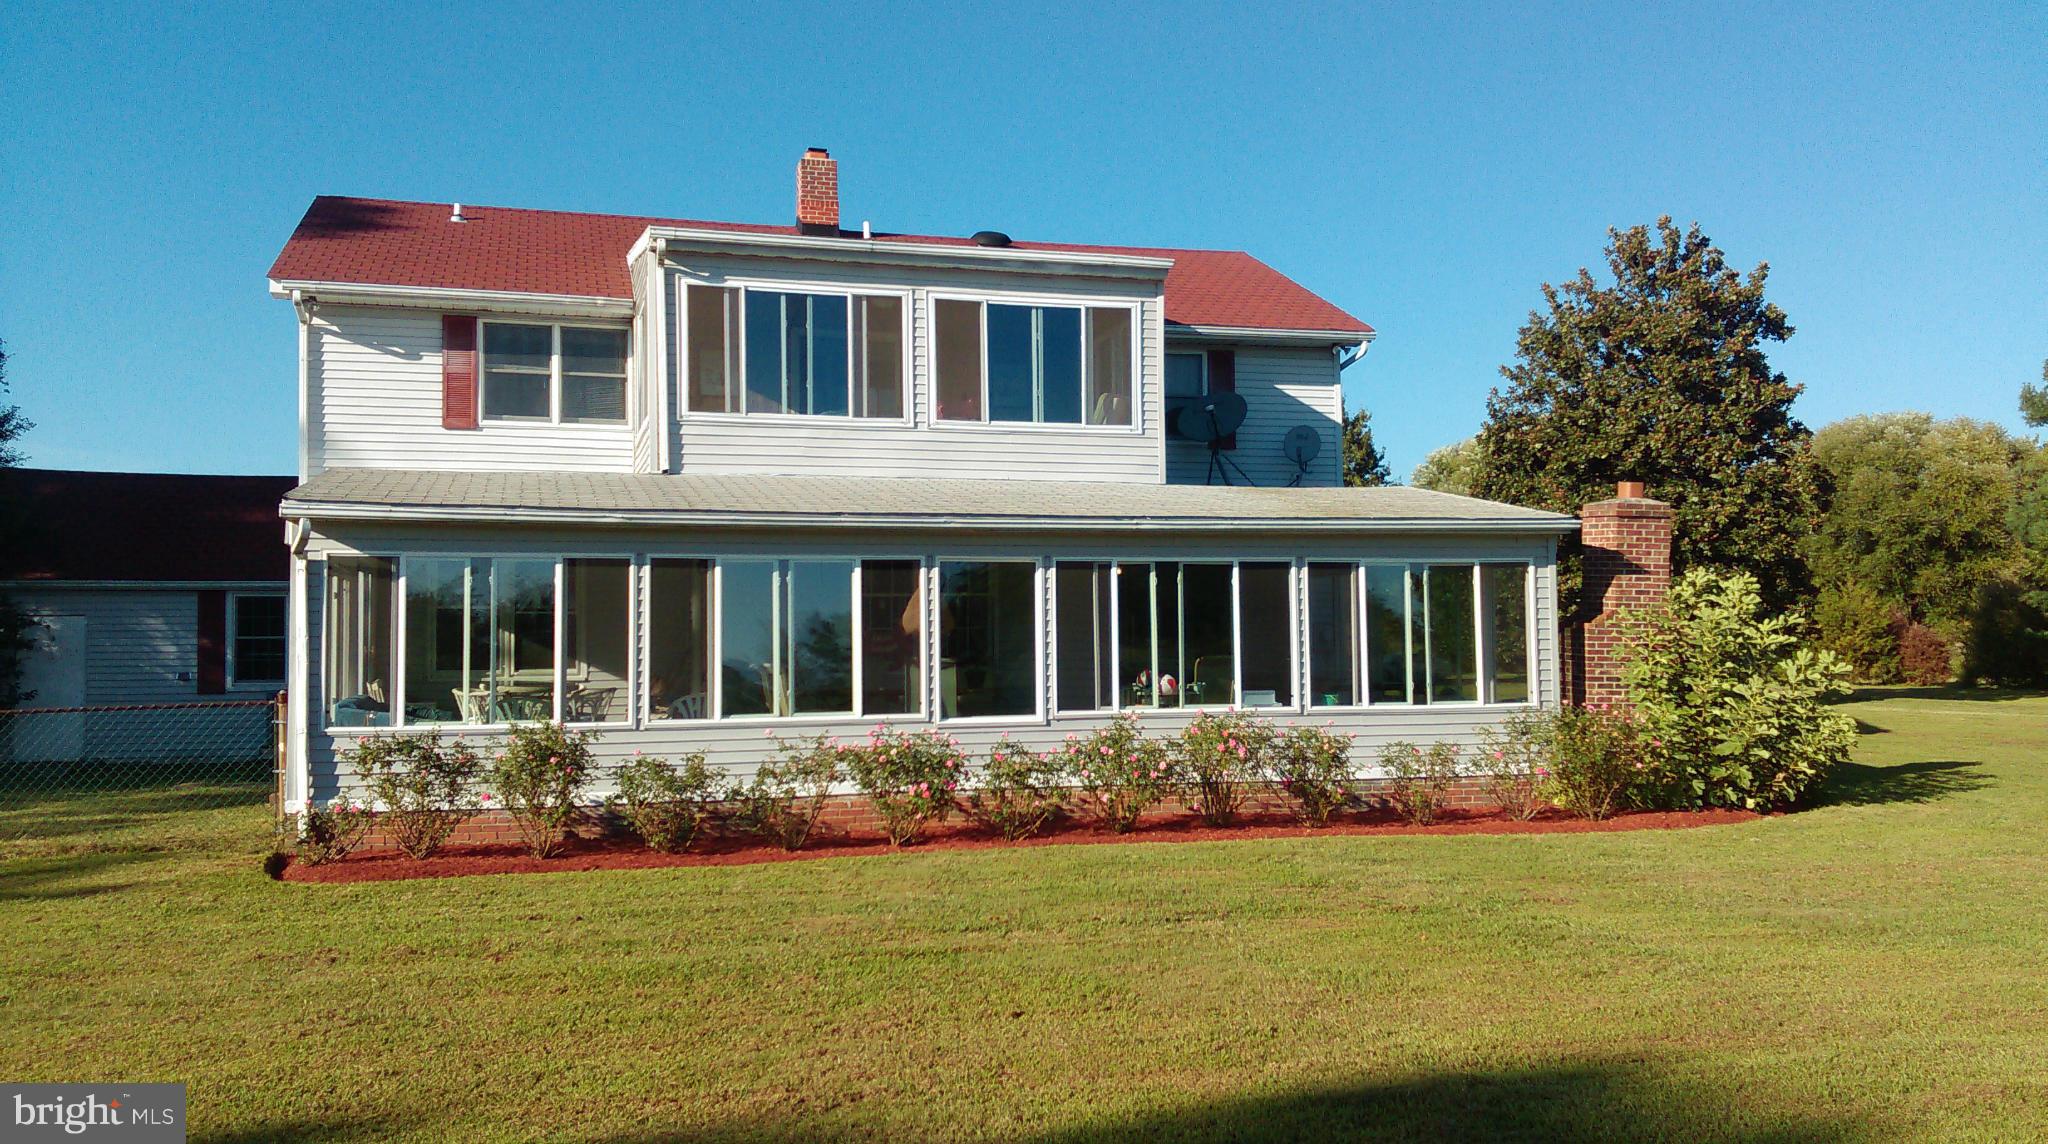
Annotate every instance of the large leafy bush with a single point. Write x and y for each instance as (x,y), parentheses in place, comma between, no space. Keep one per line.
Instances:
(425,787)
(1598,759)
(1732,702)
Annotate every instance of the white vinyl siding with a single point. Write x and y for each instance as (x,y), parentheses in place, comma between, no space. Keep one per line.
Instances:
(375,402)
(1282,388)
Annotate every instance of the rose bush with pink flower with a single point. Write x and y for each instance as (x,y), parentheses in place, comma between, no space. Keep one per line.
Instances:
(540,775)
(912,777)
(1220,755)
(1313,768)
(1018,791)
(1119,773)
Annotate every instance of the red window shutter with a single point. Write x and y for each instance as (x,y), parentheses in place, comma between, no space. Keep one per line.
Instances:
(213,642)
(1223,379)
(458,371)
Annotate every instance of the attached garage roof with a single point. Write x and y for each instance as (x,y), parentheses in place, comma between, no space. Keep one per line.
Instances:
(767,500)
(382,242)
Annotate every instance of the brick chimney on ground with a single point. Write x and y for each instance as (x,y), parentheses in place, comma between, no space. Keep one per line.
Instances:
(1627,544)
(817,193)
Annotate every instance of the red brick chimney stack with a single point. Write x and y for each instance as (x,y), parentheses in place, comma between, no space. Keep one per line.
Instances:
(817,193)
(1627,544)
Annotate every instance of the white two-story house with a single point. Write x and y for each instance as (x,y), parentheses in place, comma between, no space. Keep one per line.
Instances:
(693,483)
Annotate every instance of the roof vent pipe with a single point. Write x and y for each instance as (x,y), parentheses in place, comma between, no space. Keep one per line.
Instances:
(455,215)
(866,231)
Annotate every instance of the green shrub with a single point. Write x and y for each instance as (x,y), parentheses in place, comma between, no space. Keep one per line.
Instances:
(1219,755)
(785,797)
(666,805)
(1420,779)
(1857,625)
(1513,764)
(1313,766)
(329,833)
(1926,656)
(910,776)
(1598,758)
(1018,791)
(539,774)
(1119,772)
(1734,706)
(2008,639)
(426,788)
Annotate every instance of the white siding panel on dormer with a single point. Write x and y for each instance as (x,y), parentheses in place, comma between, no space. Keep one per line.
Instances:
(1281,388)
(375,402)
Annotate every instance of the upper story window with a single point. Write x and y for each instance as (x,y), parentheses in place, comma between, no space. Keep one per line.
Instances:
(768,351)
(562,374)
(1187,375)
(1057,365)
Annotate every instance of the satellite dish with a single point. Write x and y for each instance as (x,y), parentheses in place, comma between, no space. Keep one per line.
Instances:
(1301,445)
(1210,419)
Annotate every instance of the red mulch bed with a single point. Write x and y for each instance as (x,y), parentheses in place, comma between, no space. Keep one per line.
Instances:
(628,854)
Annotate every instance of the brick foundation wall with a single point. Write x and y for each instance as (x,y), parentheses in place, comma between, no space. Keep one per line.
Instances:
(1627,543)
(854,814)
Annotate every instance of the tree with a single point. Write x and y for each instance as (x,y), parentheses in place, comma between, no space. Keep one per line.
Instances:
(2034,400)
(1661,377)
(14,622)
(1451,469)
(1921,511)
(1364,464)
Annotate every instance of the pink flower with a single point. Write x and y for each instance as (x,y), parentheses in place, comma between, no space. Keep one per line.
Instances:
(951,785)
(638,753)
(1242,752)
(1656,742)
(996,758)
(485,798)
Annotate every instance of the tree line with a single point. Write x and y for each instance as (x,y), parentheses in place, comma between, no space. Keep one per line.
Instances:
(1918,547)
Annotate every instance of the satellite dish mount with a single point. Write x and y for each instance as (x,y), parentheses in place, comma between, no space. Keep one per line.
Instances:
(1302,445)
(1211,420)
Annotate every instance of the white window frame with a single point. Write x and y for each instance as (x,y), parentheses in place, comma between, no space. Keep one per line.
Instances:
(715,699)
(1083,304)
(1296,655)
(1481,643)
(554,376)
(1040,642)
(234,680)
(396,636)
(737,355)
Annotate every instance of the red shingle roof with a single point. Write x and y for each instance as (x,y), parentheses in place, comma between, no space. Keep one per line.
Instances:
(385,243)
(145,526)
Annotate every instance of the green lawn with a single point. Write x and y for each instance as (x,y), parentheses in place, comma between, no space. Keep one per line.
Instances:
(1874,968)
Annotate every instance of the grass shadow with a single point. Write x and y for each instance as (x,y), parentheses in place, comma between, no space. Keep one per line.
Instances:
(55,879)
(1947,691)
(1856,784)
(1574,1101)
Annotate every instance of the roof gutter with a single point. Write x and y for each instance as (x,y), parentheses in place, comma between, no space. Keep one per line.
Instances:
(332,510)
(505,301)
(1253,335)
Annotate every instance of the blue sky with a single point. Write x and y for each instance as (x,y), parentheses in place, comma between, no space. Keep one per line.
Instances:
(1426,169)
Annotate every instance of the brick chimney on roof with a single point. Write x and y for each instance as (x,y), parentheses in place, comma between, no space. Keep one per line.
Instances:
(817,193)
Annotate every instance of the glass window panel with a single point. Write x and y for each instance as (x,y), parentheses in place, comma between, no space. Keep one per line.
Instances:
(587,399)
(1108,399)
(519,346)
(1266,628)
(1082,596)
(593,351)
(597,633)
(357,631)
(819,629)
(523,670)
(713,349)
(1507,617)
(1206,635)
(447,641)
(1386,633)
(1332,636)
(515,395)
(1169,667)
(259,639)
(679,639)
(1135,653)
(1009,363)
(892,623)
(748,666)
(826,355)
(880,365)
(1059,365)
(958,357)
(988,658)
(1453,660)
(1185,375)
(765,349)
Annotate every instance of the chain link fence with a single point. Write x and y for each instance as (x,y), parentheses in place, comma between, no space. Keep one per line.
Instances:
(57,762)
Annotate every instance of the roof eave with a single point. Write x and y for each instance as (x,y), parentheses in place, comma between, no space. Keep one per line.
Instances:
(508,301)
(890,252)
(356,511)
(1257,335)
